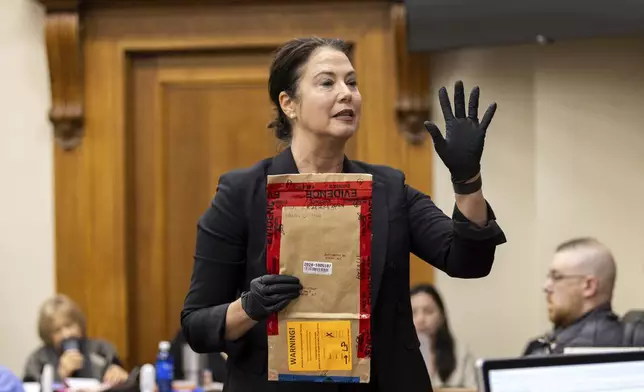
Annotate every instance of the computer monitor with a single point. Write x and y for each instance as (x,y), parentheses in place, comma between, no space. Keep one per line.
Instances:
(609,372)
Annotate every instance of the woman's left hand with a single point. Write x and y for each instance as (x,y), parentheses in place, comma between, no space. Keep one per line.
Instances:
(115,375)
(462,147)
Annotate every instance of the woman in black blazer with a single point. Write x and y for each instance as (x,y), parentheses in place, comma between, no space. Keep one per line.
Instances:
(313,86)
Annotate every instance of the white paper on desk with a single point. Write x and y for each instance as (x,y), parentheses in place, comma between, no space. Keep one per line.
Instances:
(85,384)
(31,386)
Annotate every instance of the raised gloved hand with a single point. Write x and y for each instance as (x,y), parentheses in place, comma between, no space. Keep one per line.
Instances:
(462,147)
(269,294)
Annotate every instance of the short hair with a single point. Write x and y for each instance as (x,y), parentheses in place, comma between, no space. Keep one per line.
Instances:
(579,242)
(285,72)
(56,306)
(598,259)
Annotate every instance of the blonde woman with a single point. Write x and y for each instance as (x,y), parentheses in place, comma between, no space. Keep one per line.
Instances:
(61,326)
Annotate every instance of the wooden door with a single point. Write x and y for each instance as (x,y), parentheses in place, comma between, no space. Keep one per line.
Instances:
(174,97)
(194,117)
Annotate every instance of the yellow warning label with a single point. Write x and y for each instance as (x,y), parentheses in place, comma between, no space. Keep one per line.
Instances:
(318,345)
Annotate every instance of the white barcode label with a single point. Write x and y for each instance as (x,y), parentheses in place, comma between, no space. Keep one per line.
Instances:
(318,268)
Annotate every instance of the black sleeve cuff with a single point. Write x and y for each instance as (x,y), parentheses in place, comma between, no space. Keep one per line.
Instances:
(467,229)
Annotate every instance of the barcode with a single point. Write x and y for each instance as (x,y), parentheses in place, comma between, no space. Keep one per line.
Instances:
(318,268)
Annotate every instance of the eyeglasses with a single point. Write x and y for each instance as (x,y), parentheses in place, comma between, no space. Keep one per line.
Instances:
(555,276)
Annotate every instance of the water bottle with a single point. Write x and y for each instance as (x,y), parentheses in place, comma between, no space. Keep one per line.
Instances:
(47,378)
(164,367)
(147,376)
(193,366)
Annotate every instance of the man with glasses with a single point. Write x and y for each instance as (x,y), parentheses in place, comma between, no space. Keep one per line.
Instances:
(579,290)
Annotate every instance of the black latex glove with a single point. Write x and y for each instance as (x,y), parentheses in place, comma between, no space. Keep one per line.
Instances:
(269,294)
(462,147)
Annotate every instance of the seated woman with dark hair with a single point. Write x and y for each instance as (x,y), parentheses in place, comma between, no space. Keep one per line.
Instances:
(449,364)
(61,326)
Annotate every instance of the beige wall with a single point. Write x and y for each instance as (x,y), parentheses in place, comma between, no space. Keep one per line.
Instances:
(564,157)
(26,211)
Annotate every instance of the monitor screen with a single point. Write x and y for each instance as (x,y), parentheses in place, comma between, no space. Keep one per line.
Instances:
(586,377)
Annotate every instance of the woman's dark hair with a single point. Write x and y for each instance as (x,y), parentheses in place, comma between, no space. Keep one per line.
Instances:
(285,72)
(443,342)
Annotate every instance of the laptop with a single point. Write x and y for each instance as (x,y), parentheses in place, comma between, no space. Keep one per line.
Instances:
(605,372)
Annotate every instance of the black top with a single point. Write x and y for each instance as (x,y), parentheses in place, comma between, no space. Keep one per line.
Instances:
(599,327)
(230,252)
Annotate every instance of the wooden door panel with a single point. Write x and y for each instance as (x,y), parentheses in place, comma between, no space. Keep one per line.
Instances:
(195,117)
(146,274)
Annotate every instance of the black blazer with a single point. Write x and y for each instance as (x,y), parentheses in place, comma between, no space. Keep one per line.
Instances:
(230,252)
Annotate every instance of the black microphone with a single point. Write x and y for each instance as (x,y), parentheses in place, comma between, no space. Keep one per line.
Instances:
(74,343)
(70,344)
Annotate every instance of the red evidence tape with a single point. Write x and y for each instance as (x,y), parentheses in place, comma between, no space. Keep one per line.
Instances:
(324,194)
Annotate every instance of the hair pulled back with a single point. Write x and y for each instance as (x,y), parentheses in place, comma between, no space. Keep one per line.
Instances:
(285,72)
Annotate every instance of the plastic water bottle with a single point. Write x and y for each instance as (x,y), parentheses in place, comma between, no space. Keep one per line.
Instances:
(147,376)
(47,378)
(164,367)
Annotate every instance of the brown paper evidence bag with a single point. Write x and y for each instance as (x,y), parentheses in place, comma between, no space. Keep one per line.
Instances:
(319,230)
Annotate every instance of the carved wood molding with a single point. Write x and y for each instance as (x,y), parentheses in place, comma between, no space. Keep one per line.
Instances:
(157,3)
(64,54)
(412,69)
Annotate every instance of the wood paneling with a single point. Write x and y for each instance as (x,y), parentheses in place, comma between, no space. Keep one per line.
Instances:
(195,117)
(105,281)
(412,74)
(69,4)
(63,37)
(173,97)
(412,109)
